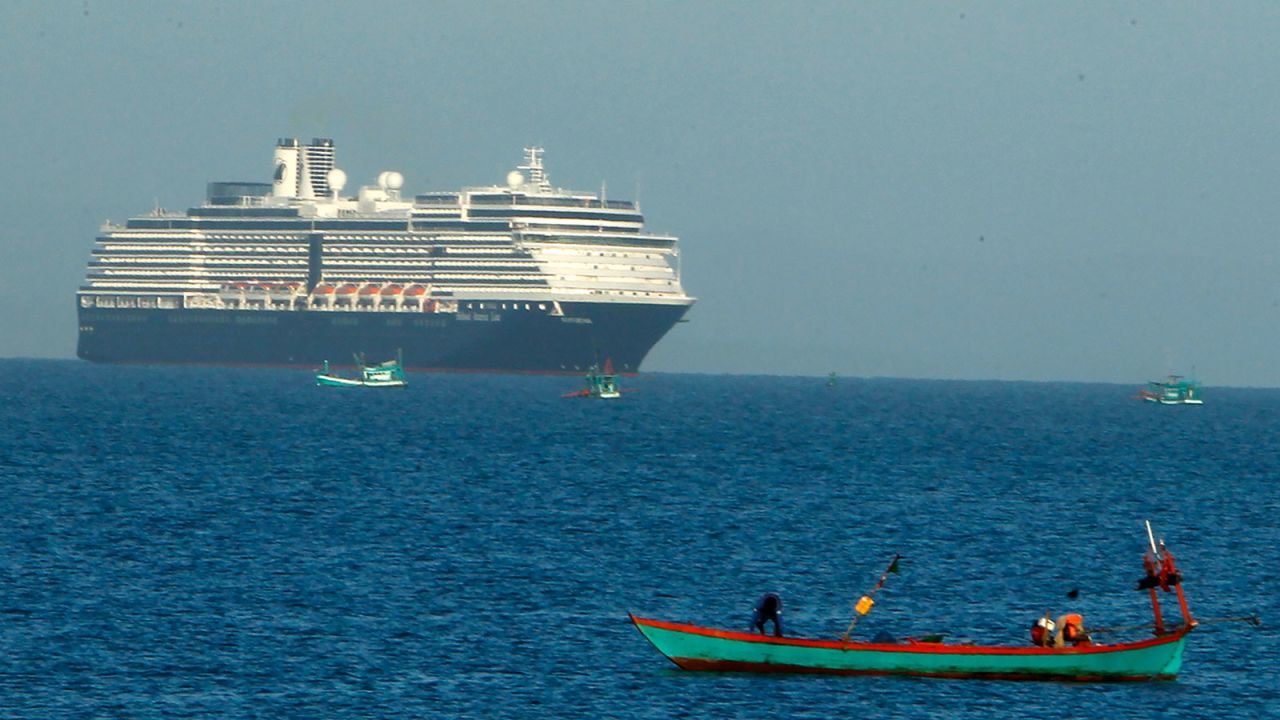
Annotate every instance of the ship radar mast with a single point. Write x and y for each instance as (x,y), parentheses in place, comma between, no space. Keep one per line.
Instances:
(533,164)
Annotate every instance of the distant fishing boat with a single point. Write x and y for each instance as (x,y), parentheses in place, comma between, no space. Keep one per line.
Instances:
(1175,390)
(1050,657)
(386,374)
(601,384)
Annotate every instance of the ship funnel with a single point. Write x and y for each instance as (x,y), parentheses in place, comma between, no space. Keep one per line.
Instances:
(317,161)
(288,159)
(302,171)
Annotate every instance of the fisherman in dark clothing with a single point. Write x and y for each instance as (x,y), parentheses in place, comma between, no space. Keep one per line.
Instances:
(769,608)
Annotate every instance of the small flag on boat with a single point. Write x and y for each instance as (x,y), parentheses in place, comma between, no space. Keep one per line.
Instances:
(892,569)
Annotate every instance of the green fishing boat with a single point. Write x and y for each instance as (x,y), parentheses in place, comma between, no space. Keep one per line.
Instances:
(601,384)
(1158,657)
(698,648)
(1175,390)
(383,375)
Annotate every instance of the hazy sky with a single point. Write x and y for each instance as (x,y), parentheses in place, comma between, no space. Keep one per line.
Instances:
(1022,191)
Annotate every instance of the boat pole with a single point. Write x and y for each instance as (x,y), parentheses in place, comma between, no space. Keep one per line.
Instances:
(1152,563)
(866,602)
(1175,579)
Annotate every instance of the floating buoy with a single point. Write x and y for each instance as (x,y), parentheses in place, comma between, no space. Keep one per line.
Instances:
(865,603)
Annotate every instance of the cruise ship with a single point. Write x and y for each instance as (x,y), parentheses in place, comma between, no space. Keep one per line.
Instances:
(515,277)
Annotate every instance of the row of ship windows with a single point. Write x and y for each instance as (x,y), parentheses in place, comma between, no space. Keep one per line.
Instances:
(501,306)
(362,277)
(472,285)
(303,249)
(298,244)
(396,239)
(169,302)
(180,263)
(132,250)
(186,264)
(232,245)
(338,278)
(521,199)
(615,259)
(162,267)
(390,237)
(128,252)
(329,248)
(446,276)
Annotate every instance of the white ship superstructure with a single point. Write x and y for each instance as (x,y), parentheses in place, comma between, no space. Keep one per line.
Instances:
(297,244)
(253,245)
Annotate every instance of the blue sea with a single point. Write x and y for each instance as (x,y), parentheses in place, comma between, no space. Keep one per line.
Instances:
(236,543)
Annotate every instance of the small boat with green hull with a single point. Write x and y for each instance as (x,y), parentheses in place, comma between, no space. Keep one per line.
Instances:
(1049,657)
(1175,390)
(601,384)
(383,375)
(698,648)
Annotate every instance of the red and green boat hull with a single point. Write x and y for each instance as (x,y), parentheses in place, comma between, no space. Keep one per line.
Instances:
(697,648)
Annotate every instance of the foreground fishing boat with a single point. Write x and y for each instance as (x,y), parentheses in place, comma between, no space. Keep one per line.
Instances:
(698,648)
(1154,658)
(387,374)
(1175,390)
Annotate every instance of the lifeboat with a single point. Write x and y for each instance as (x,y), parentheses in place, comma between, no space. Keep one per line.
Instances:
(283,291)
(413,294)
(232,291)
(391,295)
(345,293)
(256,292)
(322,295)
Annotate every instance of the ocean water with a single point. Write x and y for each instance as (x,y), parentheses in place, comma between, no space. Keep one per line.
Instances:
(225,543)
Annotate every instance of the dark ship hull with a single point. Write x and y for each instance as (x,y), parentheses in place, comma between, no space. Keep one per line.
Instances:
(495,341)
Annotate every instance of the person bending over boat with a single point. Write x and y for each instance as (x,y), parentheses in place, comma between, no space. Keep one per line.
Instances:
(768,609)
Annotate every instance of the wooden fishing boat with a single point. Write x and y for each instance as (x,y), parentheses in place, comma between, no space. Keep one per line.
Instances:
(698,648)
(601,384)
(382,375)
(1159,657)
(1175,390)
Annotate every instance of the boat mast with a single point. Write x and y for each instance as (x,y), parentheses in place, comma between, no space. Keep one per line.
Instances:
(1150,563)
(533,165)
(1162,572)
